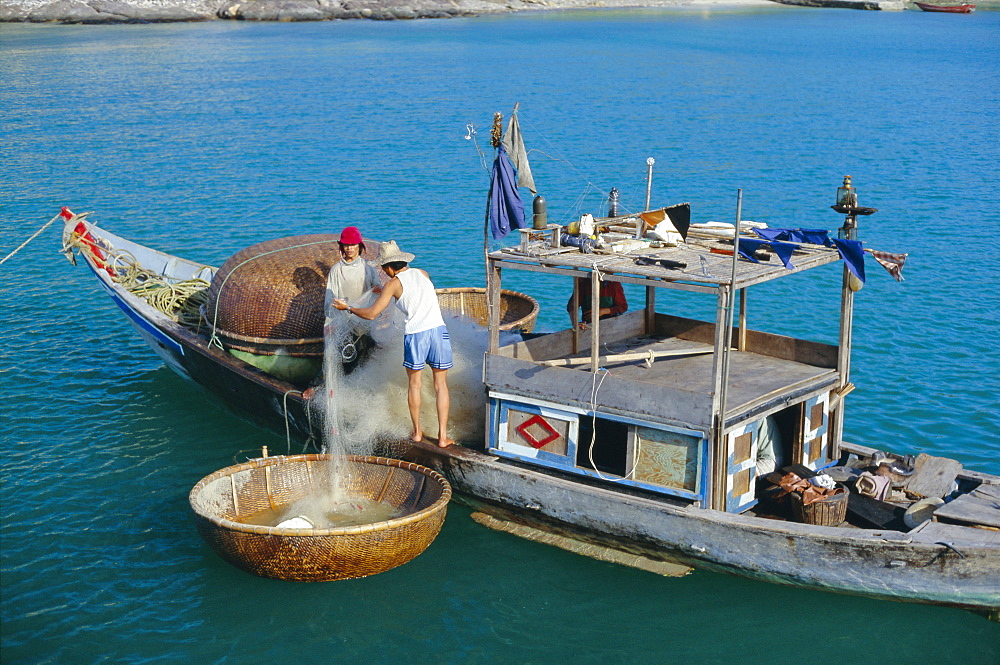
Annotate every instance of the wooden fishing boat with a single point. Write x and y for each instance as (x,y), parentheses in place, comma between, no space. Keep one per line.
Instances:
(946,9)
(641,440)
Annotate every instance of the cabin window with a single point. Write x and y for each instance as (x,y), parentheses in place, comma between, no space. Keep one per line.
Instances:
(655,457)
(529,430)
(604,445)
(668,459)
(815,453)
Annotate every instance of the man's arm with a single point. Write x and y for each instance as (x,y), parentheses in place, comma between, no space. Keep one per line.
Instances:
(392,289)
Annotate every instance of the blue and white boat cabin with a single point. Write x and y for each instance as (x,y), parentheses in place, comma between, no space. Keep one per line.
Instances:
(690,410)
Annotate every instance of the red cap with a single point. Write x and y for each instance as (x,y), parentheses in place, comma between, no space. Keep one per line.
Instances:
(351,236)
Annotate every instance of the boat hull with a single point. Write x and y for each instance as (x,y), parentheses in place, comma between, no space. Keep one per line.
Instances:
(885,565)
(888,565)
(946,9)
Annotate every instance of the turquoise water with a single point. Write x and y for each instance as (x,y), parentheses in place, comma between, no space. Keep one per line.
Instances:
(203,139)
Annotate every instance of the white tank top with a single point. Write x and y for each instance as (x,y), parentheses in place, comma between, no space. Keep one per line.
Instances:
(418,303)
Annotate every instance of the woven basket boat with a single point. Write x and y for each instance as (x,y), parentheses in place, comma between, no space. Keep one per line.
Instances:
(268,299)
(518,311)
(219,500)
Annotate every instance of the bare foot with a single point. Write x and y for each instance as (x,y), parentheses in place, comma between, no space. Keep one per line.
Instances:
(416,437)
(444,443)
(308,394)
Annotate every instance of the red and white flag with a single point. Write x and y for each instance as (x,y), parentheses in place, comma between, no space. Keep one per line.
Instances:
(891,262)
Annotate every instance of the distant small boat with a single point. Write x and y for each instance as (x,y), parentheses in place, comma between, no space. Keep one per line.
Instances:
(948,9)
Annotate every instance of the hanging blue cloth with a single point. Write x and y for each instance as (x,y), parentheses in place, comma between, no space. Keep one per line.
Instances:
(506,208)
(783,249)
(811,236)
(750,245)
(853,254)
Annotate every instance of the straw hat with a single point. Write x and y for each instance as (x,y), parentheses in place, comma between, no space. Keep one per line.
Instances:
(351,236)
(391,253)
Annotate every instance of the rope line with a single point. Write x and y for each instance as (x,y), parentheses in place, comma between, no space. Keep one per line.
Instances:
(36,234)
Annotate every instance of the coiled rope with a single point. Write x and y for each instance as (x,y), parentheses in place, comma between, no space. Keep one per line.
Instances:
(178,300)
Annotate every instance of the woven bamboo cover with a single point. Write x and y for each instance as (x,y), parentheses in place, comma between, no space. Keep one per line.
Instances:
(517,310)
(315,555)
(269,297)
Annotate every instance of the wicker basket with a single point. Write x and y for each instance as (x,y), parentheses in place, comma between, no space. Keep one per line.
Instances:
(517,310)
(315,555)
(268,298)
(830,511)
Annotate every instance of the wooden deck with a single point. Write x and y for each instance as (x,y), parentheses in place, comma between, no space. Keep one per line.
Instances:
(756,381)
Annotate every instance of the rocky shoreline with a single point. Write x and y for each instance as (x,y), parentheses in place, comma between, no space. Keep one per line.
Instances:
(171,11)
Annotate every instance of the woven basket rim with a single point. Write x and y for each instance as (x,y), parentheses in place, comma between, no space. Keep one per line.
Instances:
(530,316)
(275,341)
(273,460)
(480,289)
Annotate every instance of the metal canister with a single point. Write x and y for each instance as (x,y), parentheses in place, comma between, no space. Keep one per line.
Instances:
(613,202)
(540,218)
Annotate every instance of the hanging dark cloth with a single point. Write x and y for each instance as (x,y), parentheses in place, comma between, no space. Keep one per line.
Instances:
(853,254)
(782,249)
(506,208)
(810,236)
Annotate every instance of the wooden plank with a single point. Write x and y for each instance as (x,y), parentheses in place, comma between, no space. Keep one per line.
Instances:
(971,509)
(936,532)
(878,514)
(592,550)
(988,491)
(933,476)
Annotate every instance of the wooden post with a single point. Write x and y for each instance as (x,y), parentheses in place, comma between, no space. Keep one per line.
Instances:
(850,232)
(715,492)
(649,188)
(595,319)
(574,317)
(493,306)
(723,351)
(650,310)
(741,340)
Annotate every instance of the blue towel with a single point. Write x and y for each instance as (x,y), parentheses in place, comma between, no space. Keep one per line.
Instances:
(811,236)
(750,245)
(506,208)
(783,249)
(853,254)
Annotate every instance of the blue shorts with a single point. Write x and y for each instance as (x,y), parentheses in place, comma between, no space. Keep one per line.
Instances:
(431,346)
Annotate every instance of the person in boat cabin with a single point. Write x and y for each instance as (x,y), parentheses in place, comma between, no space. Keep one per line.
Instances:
(425,340)
(612,300)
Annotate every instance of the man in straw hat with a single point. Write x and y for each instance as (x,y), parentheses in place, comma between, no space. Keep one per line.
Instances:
(425,338)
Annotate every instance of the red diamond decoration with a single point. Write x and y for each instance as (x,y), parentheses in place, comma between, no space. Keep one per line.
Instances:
(536,419)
